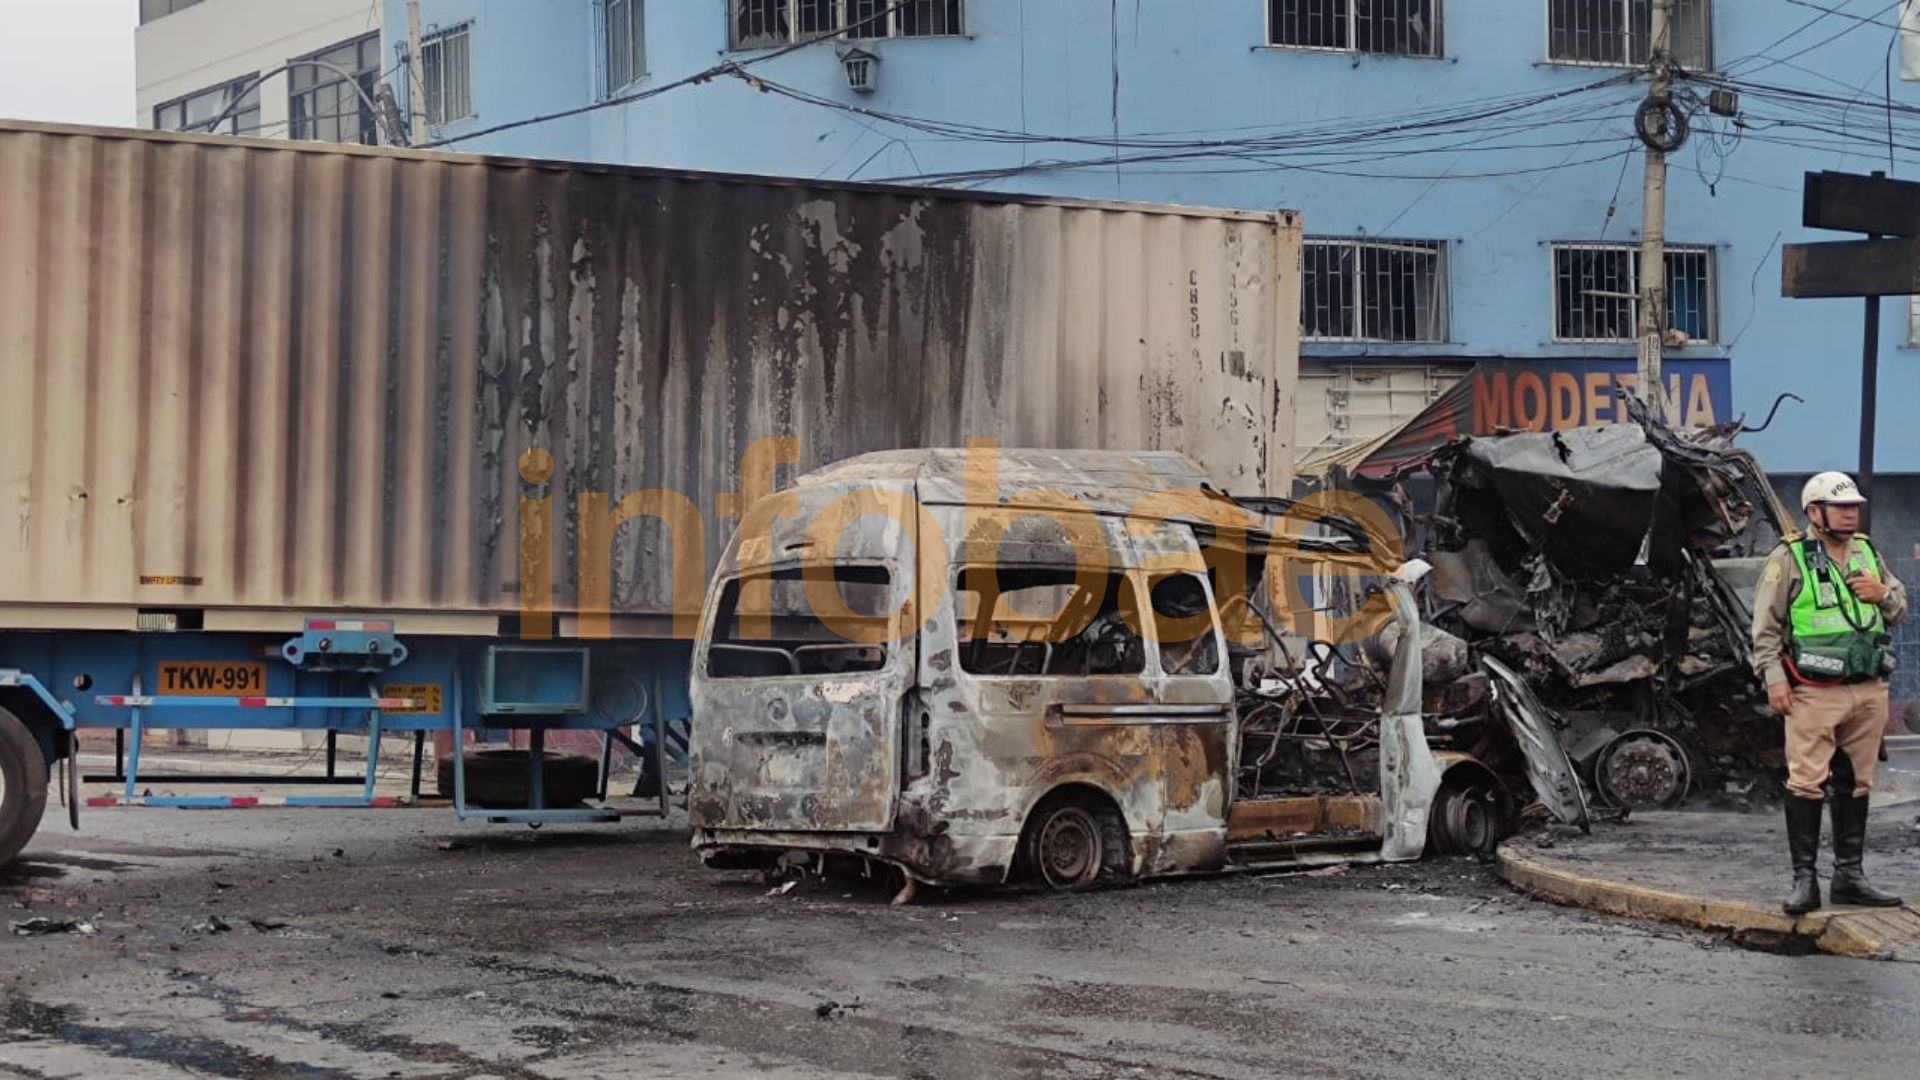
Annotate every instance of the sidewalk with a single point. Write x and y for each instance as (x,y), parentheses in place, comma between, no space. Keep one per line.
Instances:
(1725,872)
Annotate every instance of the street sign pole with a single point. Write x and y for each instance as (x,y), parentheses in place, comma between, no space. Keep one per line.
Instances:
(1869,393)
(1869,398)
(1870,268)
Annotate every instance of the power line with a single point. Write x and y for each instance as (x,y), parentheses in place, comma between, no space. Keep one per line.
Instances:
(1823,42)
(1843,13)
(1825,13)
(717,70)
(1344,129)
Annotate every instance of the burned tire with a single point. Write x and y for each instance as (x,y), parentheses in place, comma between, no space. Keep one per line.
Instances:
(1074,841)
(1469,817)
(498,778)
(23,786)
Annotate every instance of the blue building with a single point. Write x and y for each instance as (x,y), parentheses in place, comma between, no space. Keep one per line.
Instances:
(1468,172)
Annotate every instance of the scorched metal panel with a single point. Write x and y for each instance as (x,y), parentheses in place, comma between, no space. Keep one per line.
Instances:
(262,375)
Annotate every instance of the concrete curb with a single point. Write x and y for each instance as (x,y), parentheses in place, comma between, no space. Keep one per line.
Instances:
(1866,933)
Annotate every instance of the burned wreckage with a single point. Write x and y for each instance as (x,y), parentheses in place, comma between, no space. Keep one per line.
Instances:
(1612,570)
(975,683)
(1079,667)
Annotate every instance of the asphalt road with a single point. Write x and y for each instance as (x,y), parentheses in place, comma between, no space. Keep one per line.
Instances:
(398,943)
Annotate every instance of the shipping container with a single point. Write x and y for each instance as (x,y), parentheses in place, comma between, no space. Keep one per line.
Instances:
(247,380)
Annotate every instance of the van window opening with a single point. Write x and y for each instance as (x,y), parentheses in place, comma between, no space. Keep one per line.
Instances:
(765,625)
(1037,621)
(1183,626)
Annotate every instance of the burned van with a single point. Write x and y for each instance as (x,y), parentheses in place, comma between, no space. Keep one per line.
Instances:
(1073,667)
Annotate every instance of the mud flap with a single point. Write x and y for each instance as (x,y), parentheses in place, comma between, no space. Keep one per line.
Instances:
(1535,728)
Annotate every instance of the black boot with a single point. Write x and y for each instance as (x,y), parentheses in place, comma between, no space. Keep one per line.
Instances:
(1803,844)
(1850,885)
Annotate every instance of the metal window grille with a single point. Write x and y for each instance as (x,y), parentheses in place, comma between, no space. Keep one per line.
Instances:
(1374,290)
(815,17)
(446,72)
(759,24)
(1619,32)
(195,111)
(1392,27)
(323,106)
(624,39)
(1597,293)
(154,9)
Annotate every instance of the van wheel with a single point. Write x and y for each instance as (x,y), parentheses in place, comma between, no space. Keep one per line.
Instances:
(1074,842)
(1469,818)
(23,786)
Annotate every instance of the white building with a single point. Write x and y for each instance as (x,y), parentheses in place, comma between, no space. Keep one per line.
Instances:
(304,69)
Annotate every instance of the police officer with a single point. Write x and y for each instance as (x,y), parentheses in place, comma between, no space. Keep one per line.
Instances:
(1820,619)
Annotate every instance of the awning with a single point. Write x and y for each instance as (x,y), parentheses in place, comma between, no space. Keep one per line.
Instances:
(1541,395)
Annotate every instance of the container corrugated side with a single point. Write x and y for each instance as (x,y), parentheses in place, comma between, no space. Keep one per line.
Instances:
(251,375)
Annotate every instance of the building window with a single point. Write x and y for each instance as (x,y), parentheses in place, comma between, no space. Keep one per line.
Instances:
(154,9)
(197,111)
(1374,290)
(447,75)
(1392,27)
(1596,289)
(1619,32)
(625,37)
(759,24)
(324,105)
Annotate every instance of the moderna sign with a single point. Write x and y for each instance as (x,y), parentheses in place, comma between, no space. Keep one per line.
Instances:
(1559,395)
(1553,395)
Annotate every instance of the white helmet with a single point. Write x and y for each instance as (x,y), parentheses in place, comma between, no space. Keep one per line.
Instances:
(1830,487)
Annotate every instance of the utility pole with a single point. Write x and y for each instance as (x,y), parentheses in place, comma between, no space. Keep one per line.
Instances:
(1653,225)
(417,82)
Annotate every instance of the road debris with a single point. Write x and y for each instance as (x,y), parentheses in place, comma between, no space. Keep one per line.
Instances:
(40,926)
(828,1010)
(212,924)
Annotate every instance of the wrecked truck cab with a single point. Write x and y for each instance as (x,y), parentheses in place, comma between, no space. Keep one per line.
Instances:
(1608,573)
(976,665)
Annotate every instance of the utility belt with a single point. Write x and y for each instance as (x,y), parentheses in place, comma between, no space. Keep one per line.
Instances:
(1851,658)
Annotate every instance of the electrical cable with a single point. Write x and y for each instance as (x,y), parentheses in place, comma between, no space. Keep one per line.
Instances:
(1766,51)
(1337,140)
(707,75)
(1822,43)
(349,78)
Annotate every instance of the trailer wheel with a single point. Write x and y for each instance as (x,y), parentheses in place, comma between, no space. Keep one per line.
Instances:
(1469,817)
(497,778)
(23,786)
(1074,841)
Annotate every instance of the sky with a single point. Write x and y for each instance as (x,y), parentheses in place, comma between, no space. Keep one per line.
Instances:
(68,61)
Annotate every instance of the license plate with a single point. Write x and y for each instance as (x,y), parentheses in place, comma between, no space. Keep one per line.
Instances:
(195,679)
(427,694)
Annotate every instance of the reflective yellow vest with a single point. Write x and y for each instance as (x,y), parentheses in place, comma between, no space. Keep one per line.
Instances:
(1835,636)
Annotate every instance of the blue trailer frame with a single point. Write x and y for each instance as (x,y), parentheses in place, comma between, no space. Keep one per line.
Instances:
(351,676)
